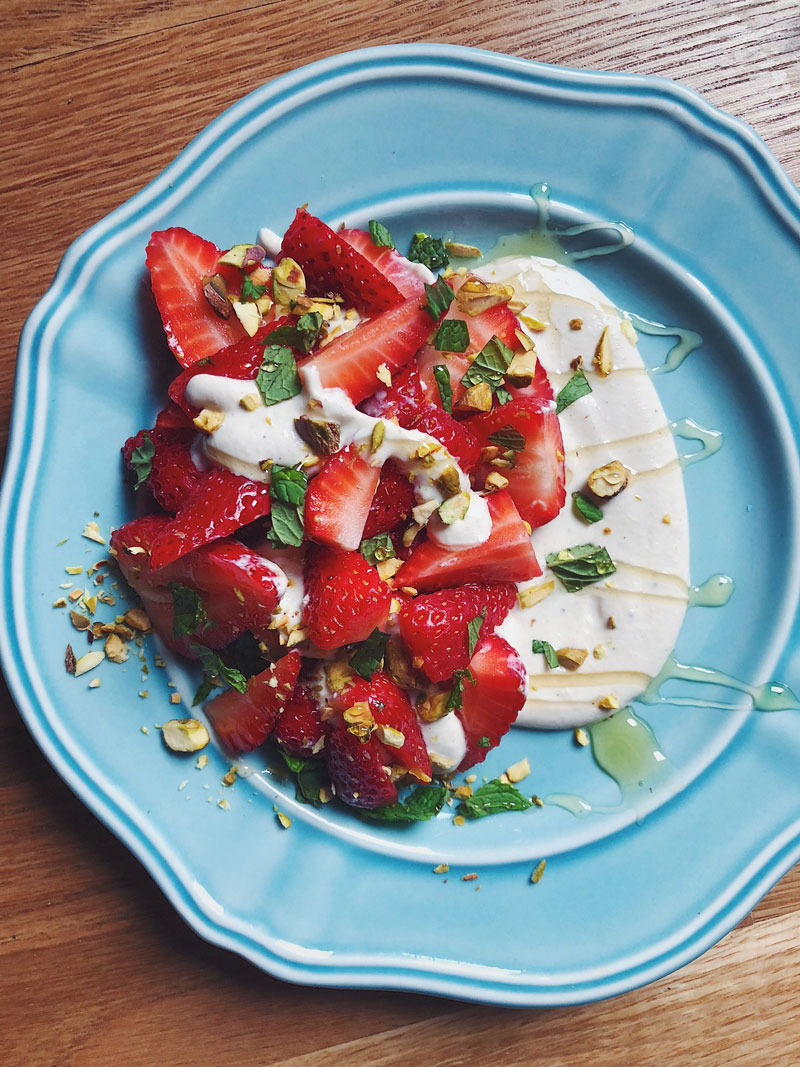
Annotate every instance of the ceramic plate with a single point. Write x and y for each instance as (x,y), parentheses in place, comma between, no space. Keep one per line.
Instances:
(442,138)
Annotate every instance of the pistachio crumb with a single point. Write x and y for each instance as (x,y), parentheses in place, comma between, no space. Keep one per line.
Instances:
(538,871)
(471,877)
(442,868)
(283,819)
(581,737)
(576,324)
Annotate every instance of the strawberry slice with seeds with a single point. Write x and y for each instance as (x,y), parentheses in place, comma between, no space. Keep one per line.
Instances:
(178,261)
(339,499)
(491,706)
(173,477)
(402,400)
(536,483)
(345,598)
(506,556)
(351,362)
(392,265)
(358,770)
(220,505)
(457,437)
(243,721)
(299,729)
(392,502)
(331,264)
(435,627)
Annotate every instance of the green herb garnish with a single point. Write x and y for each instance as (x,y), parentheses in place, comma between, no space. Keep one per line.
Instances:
(142,460)
(580,566)
(287,488)
(456,697)
(302,336)
(424,803)
(489,366)
(492,799)
(547,651)
(251,291)
(452,336)
(428,250)
(474,631)
(380,235)
(216,672)
(189,615)
(310,774)
(575,388)
(442,376)
(586,508)
(484,742)
(378,548)
(508,438)
(368,656)
(277,378)
(438,298)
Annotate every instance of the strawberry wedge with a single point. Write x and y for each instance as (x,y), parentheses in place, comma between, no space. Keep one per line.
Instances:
(178,260)
(491,706)
(331,264)
(506,556)
(243,721)
(339,498)
(388,261)
(351,362)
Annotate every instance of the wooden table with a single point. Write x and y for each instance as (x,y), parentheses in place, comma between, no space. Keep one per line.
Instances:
(96,969)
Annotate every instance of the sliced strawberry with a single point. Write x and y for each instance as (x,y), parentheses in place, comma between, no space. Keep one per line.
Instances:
(392,502)
(506,556)
(243,721)
(172,418)
(402,400)
(392,265)
(491,706)
(299,730)
(173,477)
(345,598)
(435,627)
(351,361)
(358,770)
(178,261)
(537,481)
(220,505)
(331,264)
(339,498)
(457,437)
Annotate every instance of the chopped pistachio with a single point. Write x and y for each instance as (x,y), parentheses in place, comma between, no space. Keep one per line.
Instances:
(208,421)
(571,658)
(454,508)
(115,649)
(248,314)
(609,480)
(384,375)
(517,771)
(449,481)
(457,250)
(576,324)
(377,436)
(88,661)
(495,481)
(442,868)
(535,593)
(602,359)
(243,255)
(283,819)
(250,401)
(477,398)
(476,296)
(608,703)
(422,512)
(522,368)
(534,324)
(185,735)
(91,531)
(581,737)
(215,290)
(433,706)
(288,281)
(538,871)
(321,436)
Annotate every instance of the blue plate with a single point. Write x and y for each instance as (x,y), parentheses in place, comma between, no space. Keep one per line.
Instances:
(441,138)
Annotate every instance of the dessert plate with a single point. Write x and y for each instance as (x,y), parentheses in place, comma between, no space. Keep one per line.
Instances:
(450,139)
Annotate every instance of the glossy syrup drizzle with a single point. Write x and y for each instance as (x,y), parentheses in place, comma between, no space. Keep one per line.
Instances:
(687,342)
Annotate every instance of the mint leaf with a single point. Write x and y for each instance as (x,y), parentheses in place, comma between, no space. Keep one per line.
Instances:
(277,378)
(424,803)
(489,366)
(438,298)
(575,388)
(287,525)
(507,437)
(492,799)
(189,615)
(287,488)
(503,396)
(215,671)
(456,698)
(378,548)
(142,460)
(288,484)
(442,376)
(294,763)
(586,508)
(580,566)
(380,235)
(428,250)
(310,774)
(547,651)
(452,336)
(368,656)
(302,336)
(474,631)
(485,742)
(251,291)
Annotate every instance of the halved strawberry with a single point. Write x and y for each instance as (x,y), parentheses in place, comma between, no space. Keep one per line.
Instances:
(435,627)
(243,721)
(392,502)
(332,264)
(219,505)
(457,437)
(392,265)
(359,768)
(491,706)
(506,556)
(339,498)
(178,261)
(299,729)
(536,483)
(173,477)
(351,361)
(345,598)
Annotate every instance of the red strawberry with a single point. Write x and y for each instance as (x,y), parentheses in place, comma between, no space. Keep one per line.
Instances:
(359,768)
(457,437)
(172,418)
(351,361)
(339,498)
(219,505)
(299,730)
(435,627)
(331,264)
(392,502)
(388,261)
(173,477)
(536,483)
(402,400)
(243,721)
(345,598)
(506,556)
(178,261)
(493,703)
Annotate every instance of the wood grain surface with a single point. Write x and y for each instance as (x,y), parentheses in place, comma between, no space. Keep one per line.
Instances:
(95,968)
